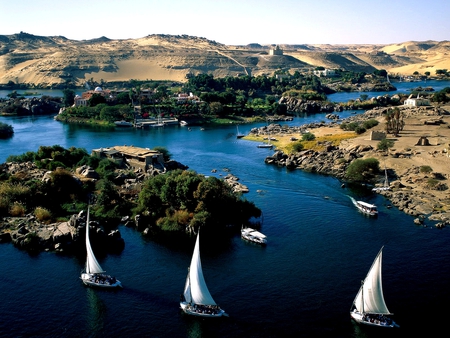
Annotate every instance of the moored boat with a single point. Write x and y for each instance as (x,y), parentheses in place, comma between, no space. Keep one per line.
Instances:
(253,236)
(385,183)
(123,123)
(239,134)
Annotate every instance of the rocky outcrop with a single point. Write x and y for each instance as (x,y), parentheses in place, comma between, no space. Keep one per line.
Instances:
(294,104)
(29,234)
(237,187)
(31,106)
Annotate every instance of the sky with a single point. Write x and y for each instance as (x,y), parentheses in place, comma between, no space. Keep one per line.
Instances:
(234,22)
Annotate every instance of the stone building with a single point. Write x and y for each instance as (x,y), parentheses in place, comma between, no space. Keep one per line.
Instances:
(276,51)
(130,156)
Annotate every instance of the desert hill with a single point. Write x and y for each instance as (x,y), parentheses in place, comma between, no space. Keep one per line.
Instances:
(56,60)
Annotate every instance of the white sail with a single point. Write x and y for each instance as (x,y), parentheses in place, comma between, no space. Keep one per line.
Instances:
(196,290)
(370,297)
(92,266)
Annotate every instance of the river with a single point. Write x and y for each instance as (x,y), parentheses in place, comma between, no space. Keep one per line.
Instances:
(301,284)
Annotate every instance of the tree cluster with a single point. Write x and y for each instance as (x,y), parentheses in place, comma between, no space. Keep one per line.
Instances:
(6,130)
(183,201)
(363,170)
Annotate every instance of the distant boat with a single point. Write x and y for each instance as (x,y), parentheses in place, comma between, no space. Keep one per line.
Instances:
(183,123)
(268,144)
(365,208)
(238,134)
(196,299)
(159,123)
(123,123)
(253,236)
(369,307)
(93,274)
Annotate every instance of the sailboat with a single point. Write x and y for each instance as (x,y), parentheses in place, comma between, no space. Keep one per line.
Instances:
(369,306)
(159,122)
(196,299)
(93,274)
(385,183)
(268,144)
(238,134)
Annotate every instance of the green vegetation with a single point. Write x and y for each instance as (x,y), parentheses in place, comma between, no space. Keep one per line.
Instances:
(441,96)
(6,130)
(308,137)
(425,169)
(385,144)
(183,199)
(394,121)
(359,127)
(362,170)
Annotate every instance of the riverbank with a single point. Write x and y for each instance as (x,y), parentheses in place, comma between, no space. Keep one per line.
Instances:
(423,143)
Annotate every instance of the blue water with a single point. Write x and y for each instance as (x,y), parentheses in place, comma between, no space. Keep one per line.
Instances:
(301,284)
(38,92)
(402,88)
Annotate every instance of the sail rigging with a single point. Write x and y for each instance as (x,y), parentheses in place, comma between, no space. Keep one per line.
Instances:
(92,265)
(196,290)
(370,297)
(196,299)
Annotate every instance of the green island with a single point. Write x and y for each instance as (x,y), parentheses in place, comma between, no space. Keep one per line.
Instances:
(54,183)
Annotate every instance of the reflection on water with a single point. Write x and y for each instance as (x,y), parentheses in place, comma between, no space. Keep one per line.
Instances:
(96,312)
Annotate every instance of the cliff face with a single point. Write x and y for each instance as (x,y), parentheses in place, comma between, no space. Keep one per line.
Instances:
(55,60)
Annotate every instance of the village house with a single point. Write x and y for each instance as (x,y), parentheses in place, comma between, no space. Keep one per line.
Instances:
(83,100)
(325,73)
(416,101)
(185,98)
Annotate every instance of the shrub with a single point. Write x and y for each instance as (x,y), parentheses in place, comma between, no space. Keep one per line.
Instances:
(297,146)
(425,169)
(42,214)
(432,183)
(360,130)
(17,210)
(308,137)
(362,170)
(370,123)
(6,130)
(166,154)
(385,144)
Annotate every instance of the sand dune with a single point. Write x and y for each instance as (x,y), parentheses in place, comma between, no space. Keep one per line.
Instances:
(25,58)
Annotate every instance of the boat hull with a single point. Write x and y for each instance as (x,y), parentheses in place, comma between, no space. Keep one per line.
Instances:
(105,281)
(201,310)
(252,239)
(369,211)
(372,320)
(250,235)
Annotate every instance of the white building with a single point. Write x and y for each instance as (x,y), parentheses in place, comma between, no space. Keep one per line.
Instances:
(416,101)
(325,73)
